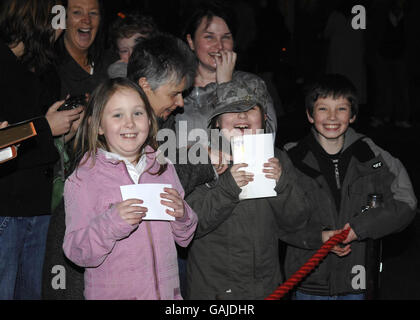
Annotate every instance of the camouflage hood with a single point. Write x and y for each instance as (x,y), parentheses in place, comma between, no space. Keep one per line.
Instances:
(240,97)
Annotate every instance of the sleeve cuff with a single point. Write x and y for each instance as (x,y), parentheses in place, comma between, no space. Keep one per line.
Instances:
(183,219)
(41,125)
(119,227)
(228,185)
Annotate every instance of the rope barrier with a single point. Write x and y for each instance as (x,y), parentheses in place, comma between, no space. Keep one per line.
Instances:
(308,266)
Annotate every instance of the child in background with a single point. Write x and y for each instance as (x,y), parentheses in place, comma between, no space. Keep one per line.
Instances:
(125,32)
(124,257)
(338,169)
(235,252)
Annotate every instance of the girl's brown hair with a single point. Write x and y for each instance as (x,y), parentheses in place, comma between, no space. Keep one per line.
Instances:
(88,139)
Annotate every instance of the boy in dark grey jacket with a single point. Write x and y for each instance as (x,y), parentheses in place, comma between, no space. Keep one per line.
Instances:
(338,169)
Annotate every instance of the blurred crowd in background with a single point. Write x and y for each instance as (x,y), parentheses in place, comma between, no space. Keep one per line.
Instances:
(290,42)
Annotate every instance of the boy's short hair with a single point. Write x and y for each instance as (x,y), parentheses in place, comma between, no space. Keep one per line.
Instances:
(127,25)
(162,59)
(334,86)
(237,96)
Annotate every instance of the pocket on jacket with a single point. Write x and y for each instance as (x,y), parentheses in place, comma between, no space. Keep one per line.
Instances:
(226,295)
(297,258)
(4,221)
(104,203)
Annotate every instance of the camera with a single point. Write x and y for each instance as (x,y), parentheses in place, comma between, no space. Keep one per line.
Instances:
(72,103)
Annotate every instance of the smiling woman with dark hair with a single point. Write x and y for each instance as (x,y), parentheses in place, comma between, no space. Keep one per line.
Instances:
(209,32)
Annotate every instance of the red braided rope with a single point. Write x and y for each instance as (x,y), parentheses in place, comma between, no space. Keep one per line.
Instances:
(308,266)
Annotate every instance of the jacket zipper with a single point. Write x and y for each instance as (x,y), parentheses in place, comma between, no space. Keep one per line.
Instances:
(337,174)
(149,233)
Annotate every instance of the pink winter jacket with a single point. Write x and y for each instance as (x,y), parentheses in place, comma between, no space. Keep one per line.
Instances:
(122,261)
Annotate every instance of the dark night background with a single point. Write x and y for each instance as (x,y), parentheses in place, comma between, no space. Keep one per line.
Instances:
(282,40)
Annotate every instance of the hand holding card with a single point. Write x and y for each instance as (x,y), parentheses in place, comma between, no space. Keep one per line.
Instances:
(152,200)
(175,203)
(255,150)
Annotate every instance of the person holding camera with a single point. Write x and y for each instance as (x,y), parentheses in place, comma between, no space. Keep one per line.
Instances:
(82,65)
(28,92)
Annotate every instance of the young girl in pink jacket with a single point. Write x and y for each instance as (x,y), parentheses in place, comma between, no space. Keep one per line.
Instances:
(124,256)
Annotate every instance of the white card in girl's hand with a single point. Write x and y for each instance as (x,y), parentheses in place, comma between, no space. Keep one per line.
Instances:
(255,150)
(150,194)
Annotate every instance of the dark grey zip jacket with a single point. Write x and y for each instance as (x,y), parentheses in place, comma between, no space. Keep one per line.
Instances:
(370,170)
(235,252)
